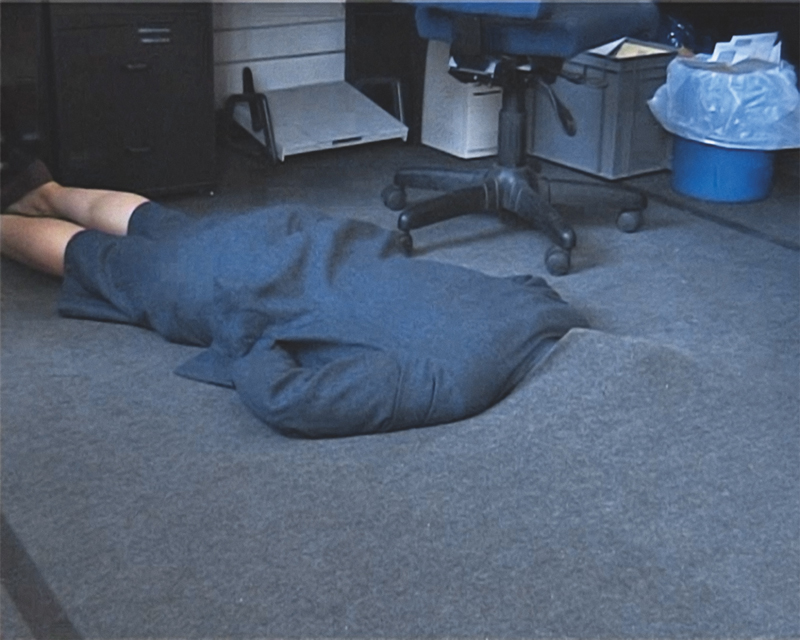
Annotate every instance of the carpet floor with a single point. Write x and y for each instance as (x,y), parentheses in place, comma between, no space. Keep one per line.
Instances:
(641,482)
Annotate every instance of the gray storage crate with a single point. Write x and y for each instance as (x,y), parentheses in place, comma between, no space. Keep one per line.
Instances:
(617,135)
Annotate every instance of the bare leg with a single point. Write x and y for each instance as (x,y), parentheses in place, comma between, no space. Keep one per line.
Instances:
(39,243)
(107,211)
(38,238)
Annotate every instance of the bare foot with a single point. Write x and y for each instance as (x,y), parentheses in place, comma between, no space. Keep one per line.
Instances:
(36,202)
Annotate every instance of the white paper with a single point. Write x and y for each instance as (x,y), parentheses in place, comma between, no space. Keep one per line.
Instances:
(488,70)
(759,46)
(626,48)
(606,49)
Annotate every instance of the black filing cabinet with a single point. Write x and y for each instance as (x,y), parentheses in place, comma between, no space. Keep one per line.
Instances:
(133,95)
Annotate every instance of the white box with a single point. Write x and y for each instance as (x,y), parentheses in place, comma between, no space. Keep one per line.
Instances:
(457,118)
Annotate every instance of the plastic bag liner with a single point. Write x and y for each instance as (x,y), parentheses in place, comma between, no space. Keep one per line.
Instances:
(750,105)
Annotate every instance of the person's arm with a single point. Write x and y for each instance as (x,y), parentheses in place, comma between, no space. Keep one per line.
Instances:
(352,395)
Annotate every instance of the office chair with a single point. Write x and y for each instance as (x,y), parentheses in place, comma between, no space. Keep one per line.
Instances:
(515,45)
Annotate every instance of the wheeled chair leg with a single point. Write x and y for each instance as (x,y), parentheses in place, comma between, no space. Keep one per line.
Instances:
(438,179)
(628,204)
(450,205)
(537,211)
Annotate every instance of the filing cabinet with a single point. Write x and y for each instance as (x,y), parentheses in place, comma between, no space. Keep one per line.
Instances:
(133,95)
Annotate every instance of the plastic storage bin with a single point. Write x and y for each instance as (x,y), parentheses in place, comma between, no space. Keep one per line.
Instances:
(617,134)
(721,175)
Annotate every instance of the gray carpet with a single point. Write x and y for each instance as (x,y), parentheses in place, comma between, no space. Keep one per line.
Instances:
(642,482)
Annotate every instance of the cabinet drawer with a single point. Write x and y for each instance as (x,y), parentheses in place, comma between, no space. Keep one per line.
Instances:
(91,15)
(134,96)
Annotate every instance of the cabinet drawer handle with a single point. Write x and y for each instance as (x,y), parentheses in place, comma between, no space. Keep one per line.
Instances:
(136,66)
(143,31)
(155,35)
(138,150)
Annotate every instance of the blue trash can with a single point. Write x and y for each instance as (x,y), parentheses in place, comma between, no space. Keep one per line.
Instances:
(720,174)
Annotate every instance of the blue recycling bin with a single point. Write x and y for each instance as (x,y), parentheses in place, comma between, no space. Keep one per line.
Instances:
(728,121)
(720,174)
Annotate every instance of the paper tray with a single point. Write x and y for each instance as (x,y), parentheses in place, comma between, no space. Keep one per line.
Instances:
(322,116)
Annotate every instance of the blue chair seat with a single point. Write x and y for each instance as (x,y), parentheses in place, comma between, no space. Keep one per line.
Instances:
(554,29)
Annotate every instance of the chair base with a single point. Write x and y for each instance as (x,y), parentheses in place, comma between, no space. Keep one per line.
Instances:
(517,190)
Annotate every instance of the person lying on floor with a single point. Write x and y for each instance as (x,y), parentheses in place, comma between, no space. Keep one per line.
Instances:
(323,326)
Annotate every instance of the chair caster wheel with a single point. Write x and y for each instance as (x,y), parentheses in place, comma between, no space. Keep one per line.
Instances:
(407,244)
(557,261)
(394,197)
(629,221)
